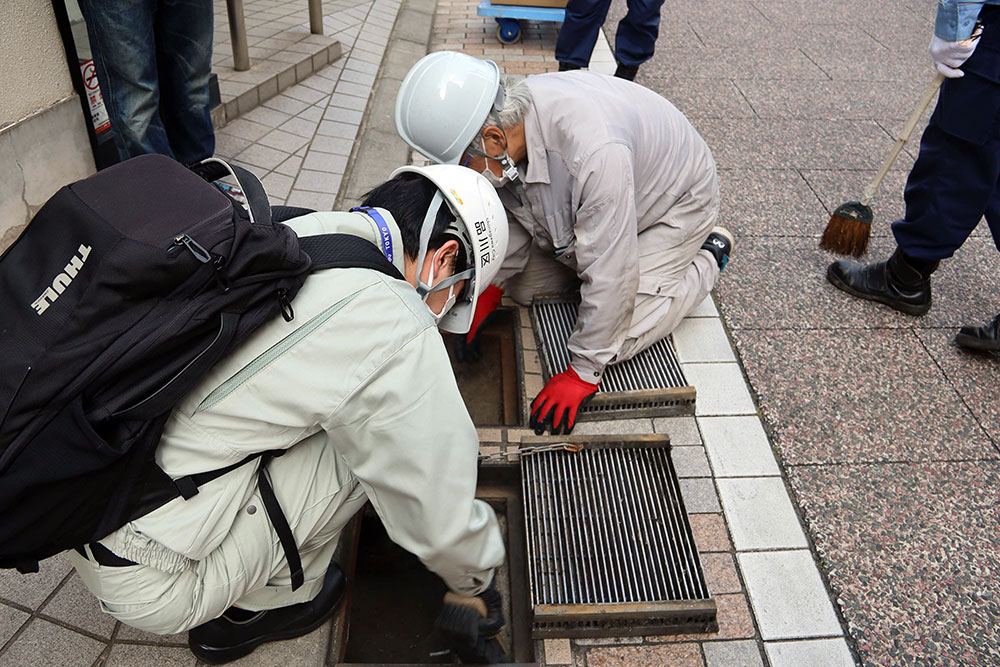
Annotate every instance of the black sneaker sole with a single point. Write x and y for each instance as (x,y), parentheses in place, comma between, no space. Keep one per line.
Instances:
(906,308)
(220,656)
(976,343)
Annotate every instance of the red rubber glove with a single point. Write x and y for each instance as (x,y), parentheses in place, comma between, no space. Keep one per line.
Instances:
(487,303)
(467,348)
(558,402)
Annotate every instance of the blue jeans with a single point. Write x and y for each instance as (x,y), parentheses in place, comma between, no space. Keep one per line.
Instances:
(153,60)
(634,40)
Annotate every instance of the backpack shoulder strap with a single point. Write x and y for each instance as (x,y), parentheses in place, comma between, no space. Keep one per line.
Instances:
(333,251)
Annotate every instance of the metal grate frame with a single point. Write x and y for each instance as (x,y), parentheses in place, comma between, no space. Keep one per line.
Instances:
(651,384)
(610,548)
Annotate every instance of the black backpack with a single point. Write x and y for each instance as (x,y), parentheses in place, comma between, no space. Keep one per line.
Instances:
(123,291)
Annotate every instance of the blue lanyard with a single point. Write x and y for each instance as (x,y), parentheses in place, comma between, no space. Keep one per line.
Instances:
(383,228)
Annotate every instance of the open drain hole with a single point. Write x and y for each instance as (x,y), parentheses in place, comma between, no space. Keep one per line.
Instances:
(491,386)
(393,600)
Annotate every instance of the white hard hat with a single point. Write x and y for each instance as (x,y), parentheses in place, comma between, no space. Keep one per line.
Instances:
(444,101)
(481,222)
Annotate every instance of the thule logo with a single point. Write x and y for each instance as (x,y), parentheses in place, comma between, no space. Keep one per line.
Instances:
(62,281)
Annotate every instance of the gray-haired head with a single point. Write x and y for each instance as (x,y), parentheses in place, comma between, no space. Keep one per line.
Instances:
(517,100)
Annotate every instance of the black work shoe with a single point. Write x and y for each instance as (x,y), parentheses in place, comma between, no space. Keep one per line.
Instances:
(232,636)
(720,243)
(895,282)
(626,72)
(568,67)
(984,339)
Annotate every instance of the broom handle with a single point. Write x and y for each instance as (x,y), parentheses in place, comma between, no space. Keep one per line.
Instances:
(907,131)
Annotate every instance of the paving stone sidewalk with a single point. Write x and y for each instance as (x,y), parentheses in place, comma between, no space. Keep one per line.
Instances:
(842,469)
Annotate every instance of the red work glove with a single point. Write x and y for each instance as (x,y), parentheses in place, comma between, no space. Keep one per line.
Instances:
(558,402)
(467,347)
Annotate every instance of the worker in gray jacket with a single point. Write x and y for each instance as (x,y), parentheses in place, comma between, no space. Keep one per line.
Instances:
(612,190)
(359,393)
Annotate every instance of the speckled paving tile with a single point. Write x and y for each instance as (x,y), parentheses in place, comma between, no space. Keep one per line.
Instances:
(743,653)
(45,644)
(840,100)
(31,590)
(804,144)
(852,406)
(750,61)
(702,98)
(710,532)
(849,53)
(975,376)
(812,652)
(681,655)
(912,552)
(129,655)
(785,278)
(76,606)
(772,202)
(788,595)
(702,339)
(10,620)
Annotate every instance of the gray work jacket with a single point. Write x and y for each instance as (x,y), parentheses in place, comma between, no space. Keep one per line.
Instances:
(606,160)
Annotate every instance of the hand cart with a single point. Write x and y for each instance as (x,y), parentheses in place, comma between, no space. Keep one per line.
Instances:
(508,17)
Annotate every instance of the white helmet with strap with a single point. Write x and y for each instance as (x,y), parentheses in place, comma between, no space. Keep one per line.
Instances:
(443,102)
(481,223)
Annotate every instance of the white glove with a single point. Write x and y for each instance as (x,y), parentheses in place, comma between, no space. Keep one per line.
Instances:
(949,56)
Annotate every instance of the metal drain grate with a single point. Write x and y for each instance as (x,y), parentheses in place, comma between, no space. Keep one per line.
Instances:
(610,549)
(650,384)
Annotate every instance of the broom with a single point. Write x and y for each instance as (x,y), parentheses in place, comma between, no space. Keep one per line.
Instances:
(851,224)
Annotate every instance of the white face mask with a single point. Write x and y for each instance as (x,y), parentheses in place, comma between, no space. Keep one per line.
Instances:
(494,180)
(452,297)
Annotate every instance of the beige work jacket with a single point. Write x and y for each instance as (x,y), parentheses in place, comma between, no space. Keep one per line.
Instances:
(606,160)
(363,366)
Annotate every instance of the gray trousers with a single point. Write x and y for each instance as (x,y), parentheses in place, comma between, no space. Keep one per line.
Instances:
(675,274)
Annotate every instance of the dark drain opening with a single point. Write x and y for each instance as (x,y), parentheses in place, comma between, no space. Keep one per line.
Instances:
(393,599)
(491,386)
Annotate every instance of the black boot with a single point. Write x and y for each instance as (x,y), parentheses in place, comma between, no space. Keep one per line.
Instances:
(238,632)
(985,338)
(900,282)
(627,72)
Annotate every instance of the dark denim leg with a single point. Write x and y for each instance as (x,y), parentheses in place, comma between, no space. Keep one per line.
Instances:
(123,42)
(184,35)
(578,34)
(635,38)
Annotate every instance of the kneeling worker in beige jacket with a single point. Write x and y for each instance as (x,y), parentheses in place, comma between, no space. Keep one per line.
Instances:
(610,191)
(358,391)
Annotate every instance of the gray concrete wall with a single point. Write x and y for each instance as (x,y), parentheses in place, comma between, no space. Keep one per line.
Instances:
(33,72)
(43,136)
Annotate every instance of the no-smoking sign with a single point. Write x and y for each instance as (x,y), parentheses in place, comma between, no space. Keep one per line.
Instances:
(90,75)
(98,114)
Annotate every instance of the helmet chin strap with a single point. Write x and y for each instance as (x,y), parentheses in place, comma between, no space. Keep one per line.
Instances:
(508,166)
(426,229)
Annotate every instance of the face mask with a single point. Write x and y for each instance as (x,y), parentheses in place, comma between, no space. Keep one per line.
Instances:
(494,180)
(447,304)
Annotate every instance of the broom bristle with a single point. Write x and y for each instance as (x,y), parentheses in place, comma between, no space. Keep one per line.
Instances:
(846,236)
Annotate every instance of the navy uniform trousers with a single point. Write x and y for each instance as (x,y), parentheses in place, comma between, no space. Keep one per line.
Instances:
(954,181)
(634,41)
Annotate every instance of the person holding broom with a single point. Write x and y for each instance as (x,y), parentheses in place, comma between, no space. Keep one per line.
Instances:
(610,191)
(954,181)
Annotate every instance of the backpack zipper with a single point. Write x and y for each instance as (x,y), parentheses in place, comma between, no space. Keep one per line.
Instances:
(205,257)
(196,248)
